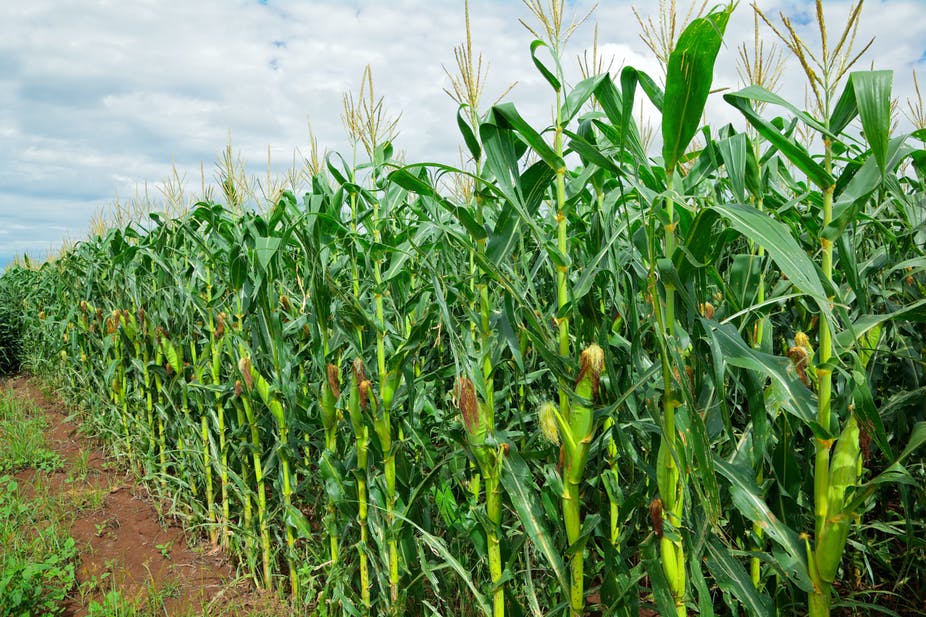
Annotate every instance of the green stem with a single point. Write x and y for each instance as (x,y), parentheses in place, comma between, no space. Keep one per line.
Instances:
(573,519)
(207,467)
(287,502)
(571,499)
(181,448)
(819,601)
(385,429)
(246,494)
(819,605)
(755,564)
(363,440)
(494,513)
(262,521)
(672,551)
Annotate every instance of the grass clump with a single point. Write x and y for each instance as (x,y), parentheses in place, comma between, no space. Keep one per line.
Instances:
(22,438)
(37,563)
(38,558)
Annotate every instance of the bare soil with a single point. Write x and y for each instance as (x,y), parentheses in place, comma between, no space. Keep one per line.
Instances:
(124,543)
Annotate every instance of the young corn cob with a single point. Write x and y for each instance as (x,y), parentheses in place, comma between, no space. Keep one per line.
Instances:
(244,366)
(831,541)
(478,420)
(331,392)
(217,350)
(273,403)
(577,429)
(356,406)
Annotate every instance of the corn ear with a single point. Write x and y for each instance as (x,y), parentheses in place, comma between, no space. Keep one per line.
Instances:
(353,403)
(844,472)
(331,392)
(474,415)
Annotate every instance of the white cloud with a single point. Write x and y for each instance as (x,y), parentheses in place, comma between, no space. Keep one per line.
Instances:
(98,98)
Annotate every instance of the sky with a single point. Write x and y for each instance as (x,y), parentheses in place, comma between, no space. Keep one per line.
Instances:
(100,100)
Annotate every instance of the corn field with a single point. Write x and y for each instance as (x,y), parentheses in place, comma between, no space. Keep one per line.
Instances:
(576,376)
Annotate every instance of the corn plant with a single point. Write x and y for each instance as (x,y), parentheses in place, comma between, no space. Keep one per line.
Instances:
(336,383)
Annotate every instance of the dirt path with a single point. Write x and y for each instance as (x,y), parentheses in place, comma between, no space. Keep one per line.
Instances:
(123,542)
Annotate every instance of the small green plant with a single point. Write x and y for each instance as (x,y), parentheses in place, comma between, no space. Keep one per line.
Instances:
(164,549)
(37,562)
(92,585)
(80,466)
(114,605)
(22,438)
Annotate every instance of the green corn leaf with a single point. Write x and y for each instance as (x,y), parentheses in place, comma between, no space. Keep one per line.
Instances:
(469,137)
(547,73)
(689,75)
(266,248)
(733,579)
(696,572)
(408,180)
(846,339)
(781,246)
(502,155)
(591,153)
(758,93)
(526,196)
(630,77)
(748,500)
(846,109)
(619,110)
(702,245)
(516,479)
(439,547)
(736,352)
(917,439)
(507,116)
(662,593)
(895,473)
(873,97)
(733,152)
(579,95)
(295,519)
(696,443)
(867,412)
(853,197)
(593,267)
(795,152)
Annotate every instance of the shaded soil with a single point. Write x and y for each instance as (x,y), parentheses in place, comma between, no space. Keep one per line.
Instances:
(124,543)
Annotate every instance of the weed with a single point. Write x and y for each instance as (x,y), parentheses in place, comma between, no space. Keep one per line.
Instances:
(37,561)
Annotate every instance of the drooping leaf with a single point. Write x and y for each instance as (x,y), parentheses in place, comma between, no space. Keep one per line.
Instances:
(737,353)
(733,152)
(781,246)
(469,137)
(266,248)
(516,479)
(733,578)
(549,75)
(579,95)
(795,152)
(507,116)
(748,500)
